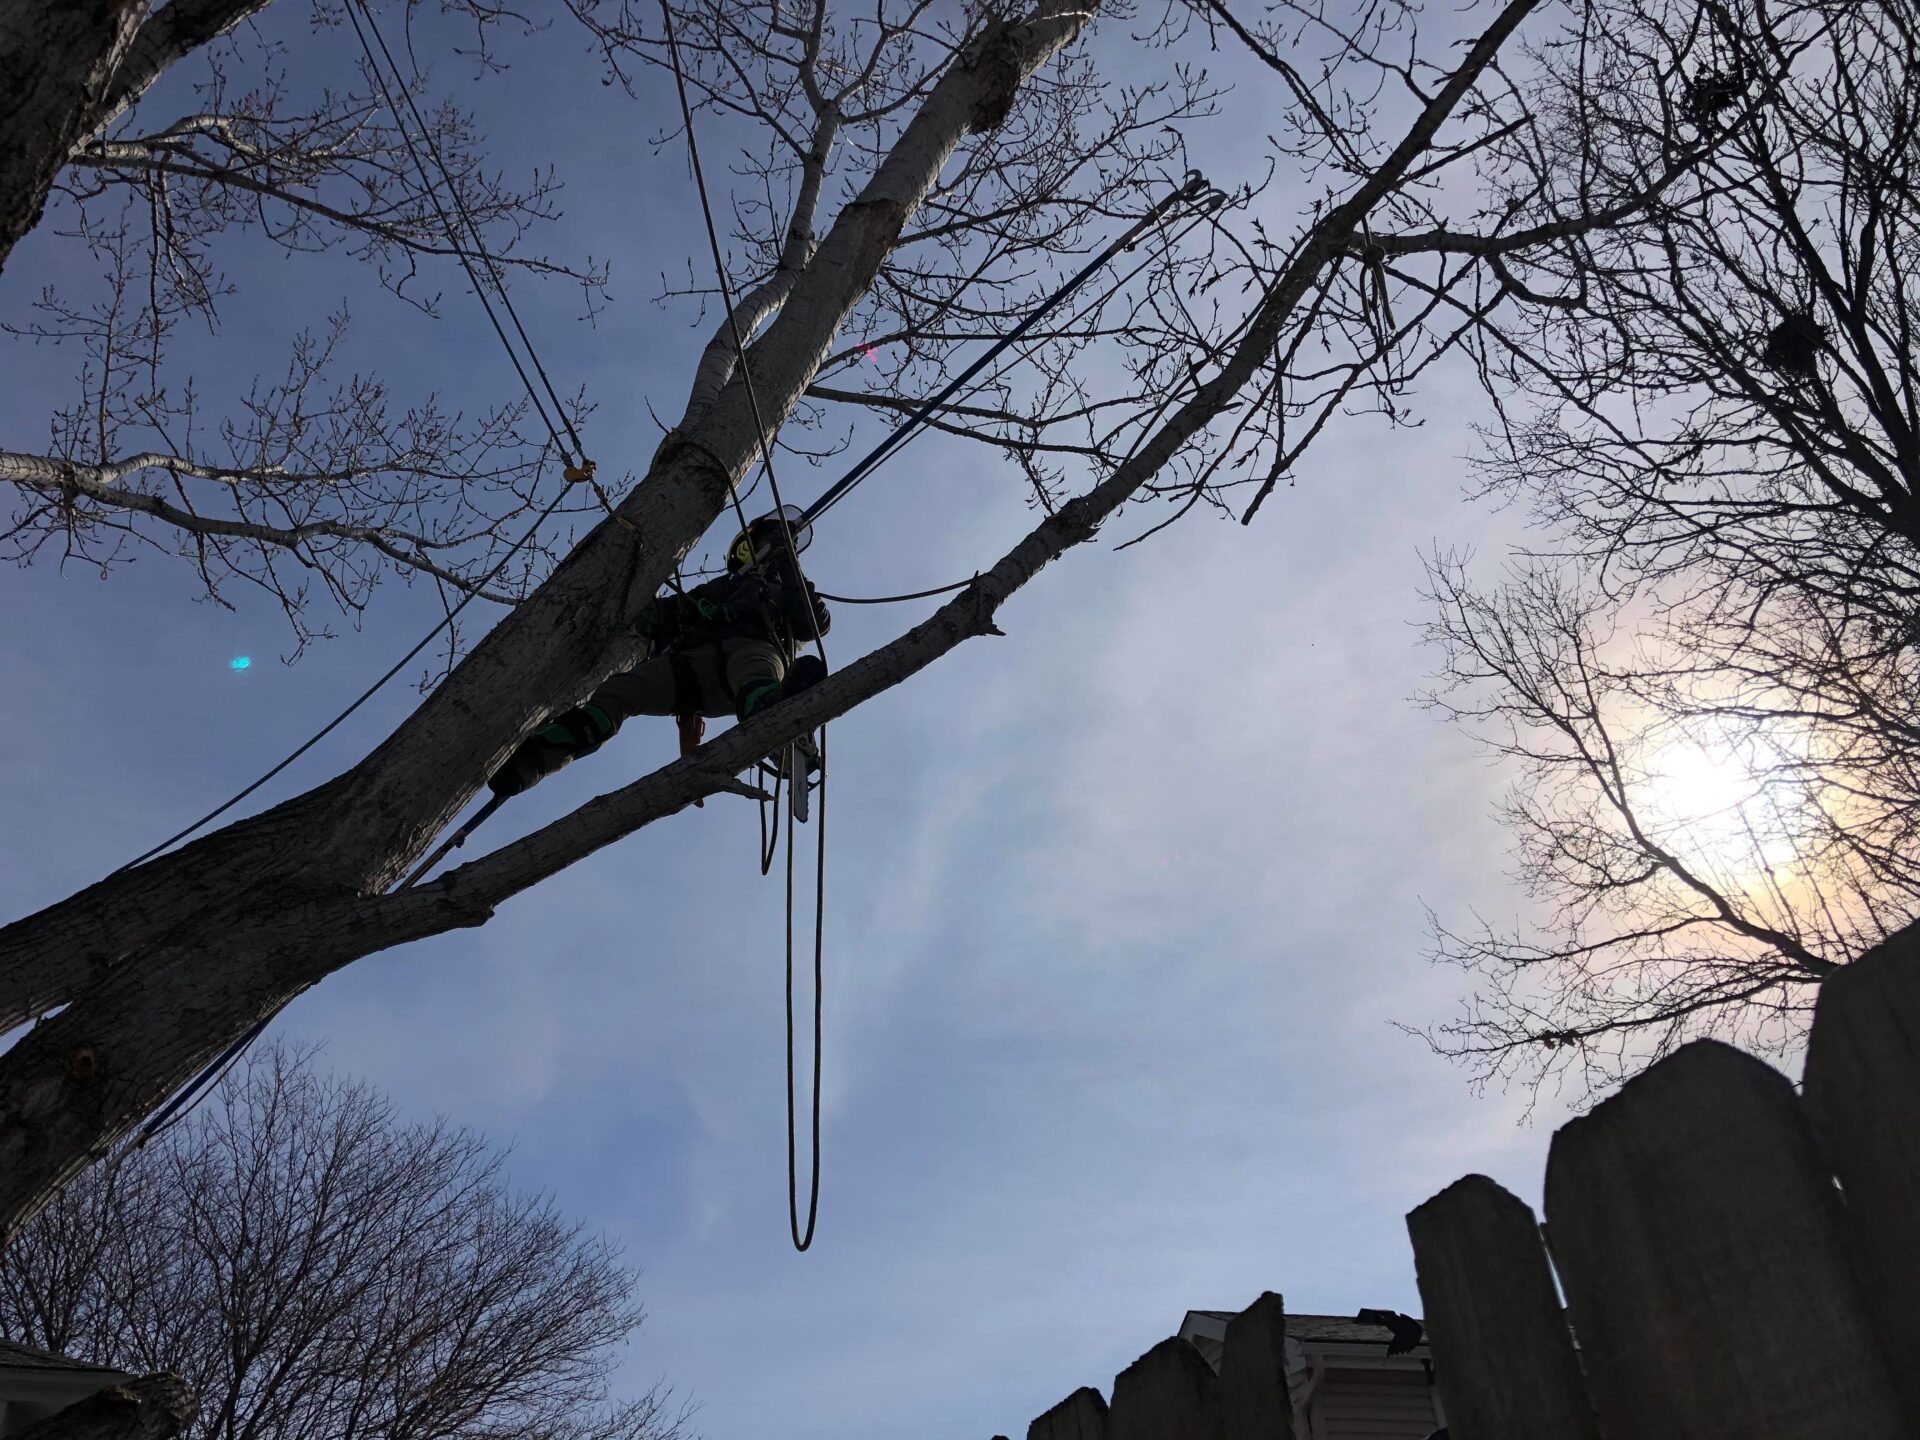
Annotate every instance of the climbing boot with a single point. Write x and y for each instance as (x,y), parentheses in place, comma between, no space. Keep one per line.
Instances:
(576,732)
(803,674)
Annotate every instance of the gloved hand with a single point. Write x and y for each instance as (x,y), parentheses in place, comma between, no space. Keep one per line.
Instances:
(660,621)
(710,612)
(805,612)
(569,735)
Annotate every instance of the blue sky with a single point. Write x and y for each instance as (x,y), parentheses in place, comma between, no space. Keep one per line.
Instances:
(1120,906)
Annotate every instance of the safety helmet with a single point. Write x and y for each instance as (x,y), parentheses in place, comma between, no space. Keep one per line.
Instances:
(768,536)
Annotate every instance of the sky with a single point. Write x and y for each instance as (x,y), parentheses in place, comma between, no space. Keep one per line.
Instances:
(1121,907)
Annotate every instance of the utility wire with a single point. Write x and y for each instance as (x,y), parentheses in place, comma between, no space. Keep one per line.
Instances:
(359,700)
(356,10)
(183,1104)
(574,453)
(1196,188)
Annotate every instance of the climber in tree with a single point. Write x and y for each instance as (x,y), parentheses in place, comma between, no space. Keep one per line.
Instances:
(722,648)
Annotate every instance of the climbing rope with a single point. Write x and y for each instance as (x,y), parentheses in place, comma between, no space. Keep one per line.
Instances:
(579,467)
(792,760)
(1196,190)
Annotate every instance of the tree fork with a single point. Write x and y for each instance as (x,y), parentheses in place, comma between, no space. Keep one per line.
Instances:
(147,1028)
(267,920)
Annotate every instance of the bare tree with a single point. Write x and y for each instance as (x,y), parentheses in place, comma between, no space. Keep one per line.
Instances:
(316,477)
(311,1265)
(1709,668)
(161,966)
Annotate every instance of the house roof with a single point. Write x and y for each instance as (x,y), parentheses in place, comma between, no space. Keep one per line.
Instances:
(1320,1327)
(15,1356)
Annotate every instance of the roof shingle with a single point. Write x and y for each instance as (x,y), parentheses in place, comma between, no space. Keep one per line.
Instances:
(15,1356)
(1321,1327)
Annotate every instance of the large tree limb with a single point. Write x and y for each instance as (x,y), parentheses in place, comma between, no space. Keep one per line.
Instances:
(169,36)
(278,914)
(85,1077)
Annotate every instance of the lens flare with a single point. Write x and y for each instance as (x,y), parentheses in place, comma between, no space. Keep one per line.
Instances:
(241,662)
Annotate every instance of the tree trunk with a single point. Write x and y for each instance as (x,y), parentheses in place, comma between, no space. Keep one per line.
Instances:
(229,928)
(58,59)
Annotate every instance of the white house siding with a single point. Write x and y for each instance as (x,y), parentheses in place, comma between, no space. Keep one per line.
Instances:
(1385,1405)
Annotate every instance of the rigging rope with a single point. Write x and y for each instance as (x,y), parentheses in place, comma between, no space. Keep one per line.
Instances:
(356,10)
(574,454)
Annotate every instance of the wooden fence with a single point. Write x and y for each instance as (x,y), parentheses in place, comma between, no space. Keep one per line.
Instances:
(1170,1393)
(1740,1261)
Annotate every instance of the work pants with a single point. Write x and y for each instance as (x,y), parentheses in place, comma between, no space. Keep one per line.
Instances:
(721,671)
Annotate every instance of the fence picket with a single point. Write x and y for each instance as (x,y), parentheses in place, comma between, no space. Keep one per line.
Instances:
(1696,1233)
(1863,1094)
(1169,1393)
(1502,1356)
(1253,1373)
(1081,1416)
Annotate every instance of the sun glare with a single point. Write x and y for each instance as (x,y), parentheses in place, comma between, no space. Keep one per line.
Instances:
(1695,784)
(1710,806)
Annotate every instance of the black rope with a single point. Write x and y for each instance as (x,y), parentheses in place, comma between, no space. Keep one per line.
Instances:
(455,840)
(357,9)
(361,699)
(1196,188)
(201,1086)
(800,1243)
(896,599)
(573,454)
(182,1104)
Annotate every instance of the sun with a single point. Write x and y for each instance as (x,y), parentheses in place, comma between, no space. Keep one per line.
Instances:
(1709,804)
(1694,784)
